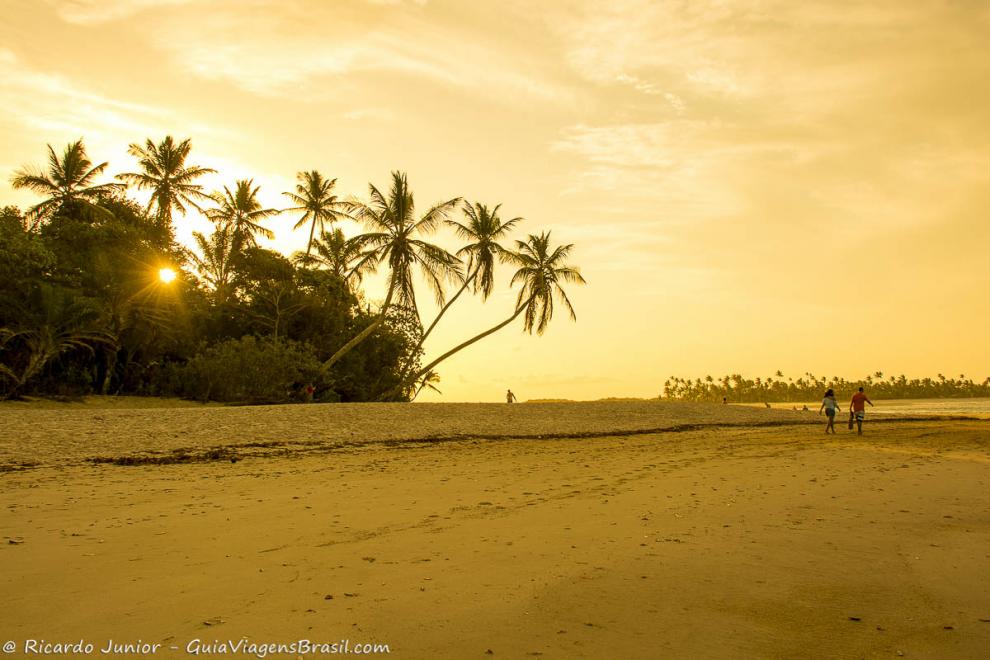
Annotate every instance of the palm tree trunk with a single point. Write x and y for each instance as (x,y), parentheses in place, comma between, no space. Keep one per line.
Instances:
(425,370)
(443,310)
(110,363)
(364,334)
(309,245)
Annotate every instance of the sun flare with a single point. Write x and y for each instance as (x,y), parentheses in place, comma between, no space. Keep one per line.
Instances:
(166,275)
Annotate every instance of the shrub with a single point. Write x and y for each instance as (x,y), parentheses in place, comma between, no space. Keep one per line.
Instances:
(248,370)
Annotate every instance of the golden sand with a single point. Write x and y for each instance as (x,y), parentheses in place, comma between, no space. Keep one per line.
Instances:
(664,530)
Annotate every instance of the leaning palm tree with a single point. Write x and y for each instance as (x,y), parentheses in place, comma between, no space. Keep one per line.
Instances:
(336,254)
(394,241)
(428,381)
(241,211)
(315,199)
(165,173)
(215,266)
(541,271)
(69,180)
(483,229)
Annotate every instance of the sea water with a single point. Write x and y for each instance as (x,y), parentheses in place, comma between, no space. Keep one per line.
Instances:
(967,407)
(977,407)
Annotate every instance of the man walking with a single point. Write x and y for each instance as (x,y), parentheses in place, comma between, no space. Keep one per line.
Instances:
(858,408)
(510,397)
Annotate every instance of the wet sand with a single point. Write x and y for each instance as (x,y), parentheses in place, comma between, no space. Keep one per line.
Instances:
(700,531)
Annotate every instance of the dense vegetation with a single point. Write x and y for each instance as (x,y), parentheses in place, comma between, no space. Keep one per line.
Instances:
(809,387)
(97,296)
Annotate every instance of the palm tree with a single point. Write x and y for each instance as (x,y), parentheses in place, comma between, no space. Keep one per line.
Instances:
(69,180)
(428,381)
(394,240)
(216,264)
(165,173)
(241,211)
(55,322)
(541,271)
(6,372)
(320,207)
(335,254)
(484,228)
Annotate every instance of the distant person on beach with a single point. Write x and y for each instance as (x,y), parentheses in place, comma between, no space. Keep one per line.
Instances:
(830,406)
(510,397)
(858,408)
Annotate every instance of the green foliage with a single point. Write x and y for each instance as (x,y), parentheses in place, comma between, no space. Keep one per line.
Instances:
(164,172)
(68,181)
(83,309)
(51,321)
(736,388)
(24,260)
(248,370)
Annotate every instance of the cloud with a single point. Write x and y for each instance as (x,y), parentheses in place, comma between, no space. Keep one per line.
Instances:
(806,59)
(55,104)
(785,112)
(307,51)
(90,12)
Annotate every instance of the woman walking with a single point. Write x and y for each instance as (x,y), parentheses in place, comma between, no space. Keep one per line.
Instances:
(830,406)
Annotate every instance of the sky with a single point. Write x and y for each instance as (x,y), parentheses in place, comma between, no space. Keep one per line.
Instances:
(749,185)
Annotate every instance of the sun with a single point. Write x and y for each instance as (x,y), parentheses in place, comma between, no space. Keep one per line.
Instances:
(166,275)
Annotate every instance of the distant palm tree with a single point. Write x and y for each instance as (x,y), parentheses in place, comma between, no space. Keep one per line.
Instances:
(215,266)
(428,381)
(69,180)
(165,173)
(394,240)
(320,207)
(541,271)
(241,211)
(336,254)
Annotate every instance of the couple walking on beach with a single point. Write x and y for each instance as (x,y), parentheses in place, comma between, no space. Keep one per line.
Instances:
(857,410)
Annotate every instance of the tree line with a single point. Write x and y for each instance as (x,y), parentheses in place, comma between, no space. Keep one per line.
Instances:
(96,294)
(777,388)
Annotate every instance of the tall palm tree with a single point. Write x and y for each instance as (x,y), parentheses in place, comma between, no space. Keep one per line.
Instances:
(541,271)
(215,266)
(69,180)
(394,240)
(336,254)
(165,173)
(241,211)
(483,229)
(320,207)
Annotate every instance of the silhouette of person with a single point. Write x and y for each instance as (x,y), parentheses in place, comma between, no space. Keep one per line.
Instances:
(830,406)
(510,397)
(857,407)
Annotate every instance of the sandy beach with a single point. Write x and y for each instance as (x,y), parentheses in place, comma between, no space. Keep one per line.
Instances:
(594,530)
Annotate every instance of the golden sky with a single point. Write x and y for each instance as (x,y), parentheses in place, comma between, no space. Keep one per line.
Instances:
(750,185)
